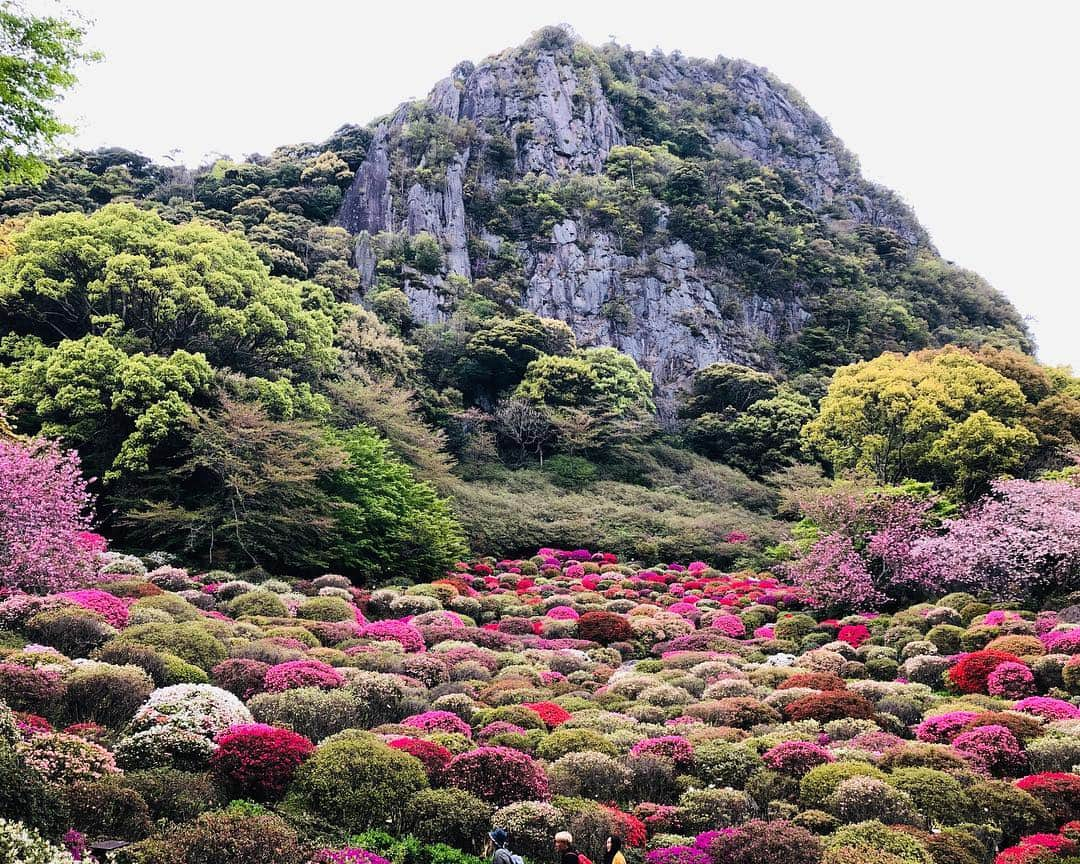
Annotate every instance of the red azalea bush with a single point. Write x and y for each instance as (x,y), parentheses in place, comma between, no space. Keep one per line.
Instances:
(829,705)
(604,627)
(1058,791)
(498,775)
(553,715)
(853,634)
(970,673)
(257,761)
(432,755)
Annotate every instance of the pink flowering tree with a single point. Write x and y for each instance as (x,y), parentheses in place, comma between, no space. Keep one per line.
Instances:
(44,526)
(860,556)
(1020,542)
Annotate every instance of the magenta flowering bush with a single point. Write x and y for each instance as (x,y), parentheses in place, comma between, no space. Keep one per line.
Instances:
(993,749)
(45,541)
(498,775)
(796,757)
(301,673)
(673,747)
(439,721)
(942,728)
(405,634)
(257,761)
(677,855)
(113,609)
(1010,681)
(1048,708)
(348,855)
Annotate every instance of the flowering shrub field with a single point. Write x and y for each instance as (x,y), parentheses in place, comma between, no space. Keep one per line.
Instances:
(703,717)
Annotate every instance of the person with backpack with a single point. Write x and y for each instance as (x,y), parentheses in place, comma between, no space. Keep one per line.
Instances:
(613,851)
(564,845)
(498,849)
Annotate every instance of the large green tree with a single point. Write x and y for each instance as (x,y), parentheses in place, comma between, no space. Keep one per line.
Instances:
(38,58)
(146,285)
(940,416)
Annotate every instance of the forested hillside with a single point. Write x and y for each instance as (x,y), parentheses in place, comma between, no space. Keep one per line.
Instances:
(578,295)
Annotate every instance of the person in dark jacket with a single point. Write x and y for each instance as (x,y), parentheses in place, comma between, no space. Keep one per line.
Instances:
(497,848)
(613,851)
(564,845)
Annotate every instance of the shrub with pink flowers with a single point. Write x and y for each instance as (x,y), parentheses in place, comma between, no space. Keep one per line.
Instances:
(64,759)
(796,757)
(405,634)
(257,761)
(439,721)
(301,673)
(498,775)
(673,747)
(1010,681)
(113,609)
(991,748)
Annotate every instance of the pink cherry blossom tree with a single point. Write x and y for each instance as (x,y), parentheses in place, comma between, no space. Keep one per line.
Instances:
(45,544)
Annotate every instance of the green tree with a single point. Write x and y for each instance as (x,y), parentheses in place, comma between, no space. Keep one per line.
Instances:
(246,490)
(940,416)
(726,385)
(115,409)
(603,379)
(762,438)
(386,522)
(38,57)
(497,355)
(145,285)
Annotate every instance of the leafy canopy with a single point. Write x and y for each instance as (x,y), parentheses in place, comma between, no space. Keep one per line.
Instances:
(940,416)
(38,55)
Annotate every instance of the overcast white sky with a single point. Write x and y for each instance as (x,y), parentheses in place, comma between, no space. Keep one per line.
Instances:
(967,109)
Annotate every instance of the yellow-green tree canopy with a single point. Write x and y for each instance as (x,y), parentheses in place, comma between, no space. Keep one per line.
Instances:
(941,416)
(145,285)
(602,379)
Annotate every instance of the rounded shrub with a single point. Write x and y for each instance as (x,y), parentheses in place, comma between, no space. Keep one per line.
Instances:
(451,816)
(358,782)
(498,775)
(257,761)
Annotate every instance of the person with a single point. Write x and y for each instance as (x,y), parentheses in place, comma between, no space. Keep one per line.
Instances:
(613,851)
(497,848)
(564,845)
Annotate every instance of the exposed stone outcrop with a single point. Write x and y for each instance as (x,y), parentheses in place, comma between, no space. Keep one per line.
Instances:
(660,306)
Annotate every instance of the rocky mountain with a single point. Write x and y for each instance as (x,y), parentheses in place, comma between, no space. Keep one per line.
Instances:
(665,271)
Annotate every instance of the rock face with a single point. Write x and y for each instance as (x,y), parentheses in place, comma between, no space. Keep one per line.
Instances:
(661,306)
